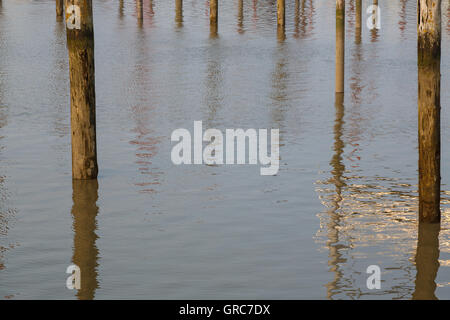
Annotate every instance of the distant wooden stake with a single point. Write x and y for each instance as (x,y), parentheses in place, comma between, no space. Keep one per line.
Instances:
(358,26)
(281,13)
(59,8)
(179,12)
(140,11)
(429,78)
(340,44)
(214,15)
(241,16)
(80,43)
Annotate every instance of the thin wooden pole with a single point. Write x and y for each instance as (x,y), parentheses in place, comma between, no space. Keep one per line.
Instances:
(179,12)
(80,43)
(140,11)
(213,15)
(281,13)
(121,7)
(241,16)
(429,78)
(358,25)
(340,44)
(59,8)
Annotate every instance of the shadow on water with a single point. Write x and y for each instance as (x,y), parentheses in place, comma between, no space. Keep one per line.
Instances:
(427,261)
(85,251)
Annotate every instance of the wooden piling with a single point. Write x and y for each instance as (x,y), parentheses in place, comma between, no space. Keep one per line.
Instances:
(241,16)
(340,44)
(429,64)
(213,15)
(80,44)
(281,16)
(179,12)
(59,8)
(140,11)
(358,22)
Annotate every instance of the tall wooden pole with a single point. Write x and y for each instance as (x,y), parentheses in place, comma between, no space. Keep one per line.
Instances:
(80,43)
(281,13)
(340,44)
(59,8)
(213,15)
(358,25)
(429,78)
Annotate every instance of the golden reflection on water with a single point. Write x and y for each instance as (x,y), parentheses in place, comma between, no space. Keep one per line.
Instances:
(85,251)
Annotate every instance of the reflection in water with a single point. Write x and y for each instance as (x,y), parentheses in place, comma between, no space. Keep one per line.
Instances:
(374,32)
(427,261)
(213,84)
(304,19)
(146,141)
(403,19)
(334,222)
(85,252)
(6,214)
(279,95)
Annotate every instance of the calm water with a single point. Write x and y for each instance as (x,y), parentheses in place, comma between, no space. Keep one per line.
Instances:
(345,196)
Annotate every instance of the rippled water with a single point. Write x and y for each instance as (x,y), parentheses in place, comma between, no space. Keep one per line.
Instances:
(345,196)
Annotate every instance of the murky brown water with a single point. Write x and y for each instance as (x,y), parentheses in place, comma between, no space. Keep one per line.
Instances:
(345,196)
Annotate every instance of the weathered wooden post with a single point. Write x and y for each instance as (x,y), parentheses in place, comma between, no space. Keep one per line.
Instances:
(281,13)
(85,251)
(429,78)
(358,24)
(140,11)
(121,7)
(80,43)
(241,16)
(59,8)
(179,12)
(213,16)
(340,44)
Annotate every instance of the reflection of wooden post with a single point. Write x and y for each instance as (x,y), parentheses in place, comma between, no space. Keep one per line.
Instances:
(280,13)
(179,12)
(80,43)
(427,261)
(358,26)
(85,252)
(213,15)
(340,44)
(429,60)
(59,8)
